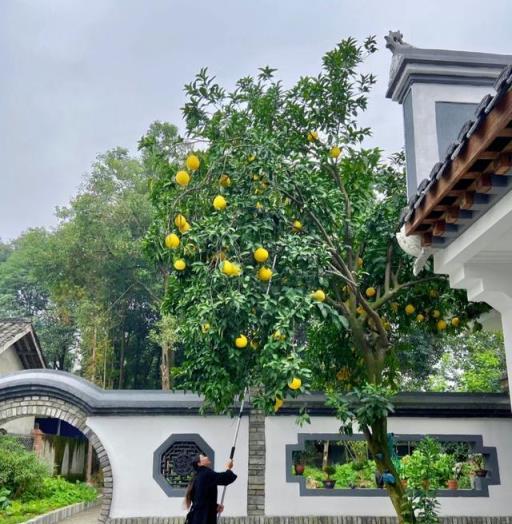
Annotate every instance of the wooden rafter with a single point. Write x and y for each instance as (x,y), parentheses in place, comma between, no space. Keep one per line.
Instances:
(476,148)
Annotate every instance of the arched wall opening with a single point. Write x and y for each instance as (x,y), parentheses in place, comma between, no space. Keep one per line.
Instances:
(47,406)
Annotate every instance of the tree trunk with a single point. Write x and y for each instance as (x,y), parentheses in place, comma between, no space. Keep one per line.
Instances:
(378,444)
(88,470)
(93,357)
(325,455)
(172,361)
(164,367)
(121,361)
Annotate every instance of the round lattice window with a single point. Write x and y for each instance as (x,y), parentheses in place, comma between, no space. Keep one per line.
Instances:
(172,461)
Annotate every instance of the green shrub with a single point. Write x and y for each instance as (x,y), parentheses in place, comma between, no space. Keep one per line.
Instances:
(55,493)
(5,501)
(21,472)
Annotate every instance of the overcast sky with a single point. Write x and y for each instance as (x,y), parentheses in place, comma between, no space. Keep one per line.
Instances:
(81,76)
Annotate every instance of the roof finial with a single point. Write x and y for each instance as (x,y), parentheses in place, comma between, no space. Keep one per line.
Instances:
(395,41)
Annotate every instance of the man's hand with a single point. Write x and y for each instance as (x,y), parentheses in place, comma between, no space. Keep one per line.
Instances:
(229,464)
(220,508)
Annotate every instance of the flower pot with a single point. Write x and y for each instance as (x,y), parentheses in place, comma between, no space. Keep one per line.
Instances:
(453,484)
(299,469)
(481,473)
(329,484)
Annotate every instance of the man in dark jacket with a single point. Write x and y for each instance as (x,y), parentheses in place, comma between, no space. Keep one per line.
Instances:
(201,496)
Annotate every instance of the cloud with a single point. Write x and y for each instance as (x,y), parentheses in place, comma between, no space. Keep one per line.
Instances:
(82,76)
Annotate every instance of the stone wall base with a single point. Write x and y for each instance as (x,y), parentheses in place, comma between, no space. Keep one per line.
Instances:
(310,520)
(63,513)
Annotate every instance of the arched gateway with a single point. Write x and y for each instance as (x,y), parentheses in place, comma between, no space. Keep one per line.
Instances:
(45,393)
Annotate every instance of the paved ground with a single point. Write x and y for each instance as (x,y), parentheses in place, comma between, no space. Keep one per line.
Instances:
(86,517)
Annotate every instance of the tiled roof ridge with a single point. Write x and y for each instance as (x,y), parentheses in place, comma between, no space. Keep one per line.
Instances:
(16,320)
(502,85)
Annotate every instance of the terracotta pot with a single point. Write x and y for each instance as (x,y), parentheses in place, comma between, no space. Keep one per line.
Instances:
(453,484)
(329,484)
(299,469)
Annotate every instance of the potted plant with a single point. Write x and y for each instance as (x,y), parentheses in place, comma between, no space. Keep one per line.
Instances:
(328,482)
(299,468)
(477,462)
(453,483)
(298,463)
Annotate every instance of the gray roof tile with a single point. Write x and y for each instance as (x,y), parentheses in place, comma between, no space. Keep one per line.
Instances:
(11,328)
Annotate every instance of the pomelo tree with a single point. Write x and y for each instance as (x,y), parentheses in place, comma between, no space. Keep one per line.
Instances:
(279,229)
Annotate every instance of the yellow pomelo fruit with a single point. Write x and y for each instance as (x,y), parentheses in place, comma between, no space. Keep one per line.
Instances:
(228,268)
(359,262)
(359,310)
(278,404)
(205,327)
(251,158)
(318,295)
(182,178)
(172,241)
(277,335)
(297,225)
(436,313)
(441,325)
(224,181)
(184,228)
(312,136)
(180,220)
(219,203)
(241,341)
(260,254)
(180,264)
(192,162)
(265,274)
(409,309)
(237,270)
(420,318)
(335,152)
(259,205)
(295,383)
(455,321)
(370,292)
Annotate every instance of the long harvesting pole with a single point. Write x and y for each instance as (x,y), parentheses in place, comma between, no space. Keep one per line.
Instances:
(233,447)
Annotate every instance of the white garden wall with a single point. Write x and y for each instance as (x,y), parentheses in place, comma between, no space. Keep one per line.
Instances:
(130,442)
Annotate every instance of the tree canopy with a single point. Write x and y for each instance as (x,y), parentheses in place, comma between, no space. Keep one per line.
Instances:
(280,228)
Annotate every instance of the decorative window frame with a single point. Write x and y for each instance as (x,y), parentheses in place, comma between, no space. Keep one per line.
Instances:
(476,441)
(157,457)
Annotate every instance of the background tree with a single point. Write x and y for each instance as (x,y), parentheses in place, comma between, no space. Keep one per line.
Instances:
(87,285)
(280,232)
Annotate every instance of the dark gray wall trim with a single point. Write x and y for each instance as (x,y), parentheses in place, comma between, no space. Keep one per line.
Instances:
(446,59)
(410,146)
(94,401)
(450,117)
(157,455)
(490,454)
